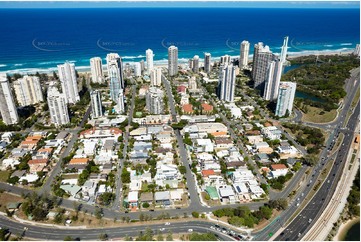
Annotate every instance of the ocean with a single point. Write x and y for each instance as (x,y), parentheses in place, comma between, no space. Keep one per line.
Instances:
(39,39)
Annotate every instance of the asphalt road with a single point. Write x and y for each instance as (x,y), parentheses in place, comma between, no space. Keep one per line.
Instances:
(116,204)
(300,225)
(53,233)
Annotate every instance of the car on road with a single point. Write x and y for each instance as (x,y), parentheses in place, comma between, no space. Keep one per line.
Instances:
(212,227)
(167,223)
(190,230)
(310,220)
(161,229)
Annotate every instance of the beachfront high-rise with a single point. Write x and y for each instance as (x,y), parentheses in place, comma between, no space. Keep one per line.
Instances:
(172,60)
(286,96)
(114,60)
(156,77)
(149,58)
(226,59)
(58,108)
(96,68)
(8,110)
(28,90)
(195,68)
(274,73)
(227,83)
(243,60)
(261,59)
(154,100)
(68,81)
(207,62)
(96,103)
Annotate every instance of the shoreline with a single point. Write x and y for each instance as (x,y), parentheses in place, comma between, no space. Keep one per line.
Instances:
(342,230)
(181,61)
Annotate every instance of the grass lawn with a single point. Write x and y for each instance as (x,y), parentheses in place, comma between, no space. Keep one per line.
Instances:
(313,115)
(4,175)
(356,98)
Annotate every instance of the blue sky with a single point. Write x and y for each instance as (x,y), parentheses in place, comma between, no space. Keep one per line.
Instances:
(137,3)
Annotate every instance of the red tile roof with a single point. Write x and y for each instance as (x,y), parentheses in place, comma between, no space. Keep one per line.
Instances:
(187,108)
(207,107)
(207,173)
(278,167)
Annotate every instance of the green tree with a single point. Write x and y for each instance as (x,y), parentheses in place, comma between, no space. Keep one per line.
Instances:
(195,214)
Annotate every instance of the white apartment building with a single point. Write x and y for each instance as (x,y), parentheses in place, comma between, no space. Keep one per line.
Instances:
(149,58)
(68,81)
(8,110)
(286,96)
(156,77)
(28,90)
(227,83)
(58,108)
(96,68)
(154,100)
(172,60)
(96,103)
(243,60)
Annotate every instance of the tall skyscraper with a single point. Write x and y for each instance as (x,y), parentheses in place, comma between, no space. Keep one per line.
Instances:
(227,83)
(156,77)
(274,73)
(28,90)
(58,108)
(120,108)
(172,60)
(154,100)
(207,62)
(8,110)
(261,59)
(286,96)
(149,58)
(114,60)
(196,64)
(243,60)
(68,81)
(226,59)
(96,103)
(137,69)
(142,66)
(96,69)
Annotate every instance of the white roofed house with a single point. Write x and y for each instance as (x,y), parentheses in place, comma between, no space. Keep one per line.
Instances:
(253,139)
(203,145)
(166,172)
(162,198)
(271,132)
(133,199)
(226,194)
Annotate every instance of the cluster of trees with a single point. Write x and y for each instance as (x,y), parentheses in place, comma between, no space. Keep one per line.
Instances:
(38,206)
(106,198)
(90,168)
(125,176)
(353,198)
(324,80)
(243,216)
(307,136)
(139,106)
(202,237)
(278,183)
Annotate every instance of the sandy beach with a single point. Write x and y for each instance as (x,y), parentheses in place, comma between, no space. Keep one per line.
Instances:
(341,232)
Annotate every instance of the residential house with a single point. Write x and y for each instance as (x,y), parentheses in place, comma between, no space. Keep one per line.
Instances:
(37,165)
(162,198)
(271,132)
(278,170)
